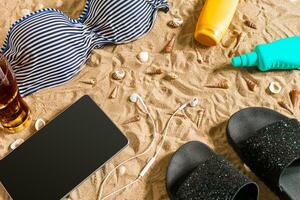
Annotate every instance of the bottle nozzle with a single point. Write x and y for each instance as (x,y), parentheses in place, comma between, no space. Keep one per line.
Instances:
(245,60)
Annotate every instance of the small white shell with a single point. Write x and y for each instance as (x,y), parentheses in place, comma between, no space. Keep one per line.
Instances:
(16,143)
(25,12)
(275,87)
(122,170)
(118,74)
(143,56)
(175,22)
(39,124)
(247,168)
(59,3)
(40,6)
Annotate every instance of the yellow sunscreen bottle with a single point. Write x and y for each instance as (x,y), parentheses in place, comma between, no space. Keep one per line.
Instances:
(215,17)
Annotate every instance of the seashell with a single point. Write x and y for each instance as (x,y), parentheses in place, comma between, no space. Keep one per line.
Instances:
(294,95)
(247,168)
(274,87)
(250,24)
(175,22)
(114,93)
(200,117)
(199,57)
(155,72)
(89,82)
(133,119)
(143,56)
(250,83)
(231,53)
(171,76)
(169,47)
(25,12)
(119,74)
(59,3)
(222,85)
(39,124)
(16,144)
(228,41)
(283,105)
(95,60)
(39,6)
(240,38)
(122,170)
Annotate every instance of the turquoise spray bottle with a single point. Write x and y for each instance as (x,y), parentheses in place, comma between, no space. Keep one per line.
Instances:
(281,54)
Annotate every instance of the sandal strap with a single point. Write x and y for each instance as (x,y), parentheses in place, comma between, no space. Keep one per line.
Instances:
(272,149)
(214,179)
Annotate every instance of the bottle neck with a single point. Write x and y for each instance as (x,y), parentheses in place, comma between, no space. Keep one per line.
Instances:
(246,60)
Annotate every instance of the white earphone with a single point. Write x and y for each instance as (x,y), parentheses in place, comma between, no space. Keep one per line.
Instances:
(194,102)
(135,98)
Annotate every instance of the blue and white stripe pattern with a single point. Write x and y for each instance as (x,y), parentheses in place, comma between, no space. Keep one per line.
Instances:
(47,48)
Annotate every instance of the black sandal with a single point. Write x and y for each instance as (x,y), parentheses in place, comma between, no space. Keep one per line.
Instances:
(269,143)
(195,172)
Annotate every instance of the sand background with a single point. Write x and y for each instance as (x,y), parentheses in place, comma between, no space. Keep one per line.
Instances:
(275,19)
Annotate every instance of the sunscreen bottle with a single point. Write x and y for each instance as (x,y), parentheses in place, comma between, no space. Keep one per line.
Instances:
(281,54)
(215,17)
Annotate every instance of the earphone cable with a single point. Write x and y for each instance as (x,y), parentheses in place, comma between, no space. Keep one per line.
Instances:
(149,164)
(129,159)
(122,188)
(167,127)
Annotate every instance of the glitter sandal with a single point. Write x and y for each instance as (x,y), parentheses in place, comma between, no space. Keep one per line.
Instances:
(195,172)
(269,144)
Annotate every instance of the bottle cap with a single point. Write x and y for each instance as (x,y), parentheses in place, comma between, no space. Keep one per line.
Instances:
(207,36)
(245,60)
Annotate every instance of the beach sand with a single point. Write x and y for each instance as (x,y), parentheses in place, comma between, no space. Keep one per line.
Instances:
(275,19)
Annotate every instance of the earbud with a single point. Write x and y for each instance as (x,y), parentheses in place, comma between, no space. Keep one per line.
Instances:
(194,102)
(134,98)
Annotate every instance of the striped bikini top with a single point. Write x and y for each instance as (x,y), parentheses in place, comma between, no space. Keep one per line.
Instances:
(47,48)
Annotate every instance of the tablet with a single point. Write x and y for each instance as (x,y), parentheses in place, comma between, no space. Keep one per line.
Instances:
(61,155)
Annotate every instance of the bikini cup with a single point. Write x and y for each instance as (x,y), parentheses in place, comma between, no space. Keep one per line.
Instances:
(47,48)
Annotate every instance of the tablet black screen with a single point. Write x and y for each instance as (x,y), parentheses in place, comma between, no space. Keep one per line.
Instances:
(62,154)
